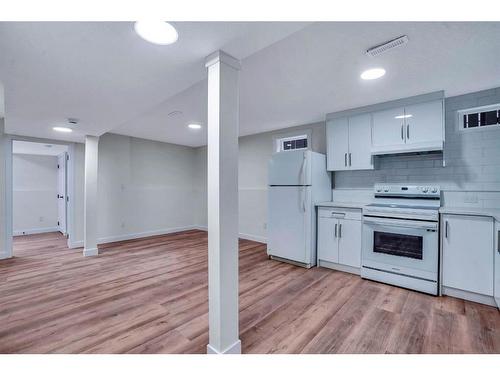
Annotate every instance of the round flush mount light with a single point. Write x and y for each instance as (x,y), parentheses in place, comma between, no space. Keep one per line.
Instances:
(157,32)
(194,126)
(62,129)
(373,73)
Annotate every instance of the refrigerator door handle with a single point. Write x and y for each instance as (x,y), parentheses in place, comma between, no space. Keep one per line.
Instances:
(302,170)
(304,201)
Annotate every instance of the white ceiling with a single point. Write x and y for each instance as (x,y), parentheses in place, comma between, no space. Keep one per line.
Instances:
(104,74)
(35,148)
(291,73)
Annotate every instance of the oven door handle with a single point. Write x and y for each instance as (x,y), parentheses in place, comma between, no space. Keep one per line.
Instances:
(410,224)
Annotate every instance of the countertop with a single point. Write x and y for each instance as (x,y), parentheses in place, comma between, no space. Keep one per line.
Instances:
(342,204)
(479,211)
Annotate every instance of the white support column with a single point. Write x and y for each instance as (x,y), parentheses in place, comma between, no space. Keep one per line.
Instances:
(5,193)
(90,209)
(223,115)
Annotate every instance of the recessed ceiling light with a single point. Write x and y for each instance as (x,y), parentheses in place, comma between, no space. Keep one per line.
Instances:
(62,129)
(157,32)
(194,126)
(403,116)
(373,73)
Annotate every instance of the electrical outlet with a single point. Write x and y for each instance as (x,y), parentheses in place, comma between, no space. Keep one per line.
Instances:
(265,226)
(122,224)
(41,219)
(471,198)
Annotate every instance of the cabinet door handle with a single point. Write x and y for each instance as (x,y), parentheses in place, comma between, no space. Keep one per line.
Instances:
(408,131)
(498,241)
(446,229)
(402,132)
(349,159)
(335,230)
(340,230)
(345,159)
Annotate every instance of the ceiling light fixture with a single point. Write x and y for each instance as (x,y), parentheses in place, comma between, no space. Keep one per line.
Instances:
(62,129)
(194,126)
(373,73)
(157,32)
(403,116)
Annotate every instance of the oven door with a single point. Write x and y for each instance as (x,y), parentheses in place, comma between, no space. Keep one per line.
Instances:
(407,247)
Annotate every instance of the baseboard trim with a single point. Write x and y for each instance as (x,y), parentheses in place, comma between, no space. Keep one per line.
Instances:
(134,236)
(468,296)
(232,349)
(35,231)
(90,252)
(5,256)
(251,237)
(339,267)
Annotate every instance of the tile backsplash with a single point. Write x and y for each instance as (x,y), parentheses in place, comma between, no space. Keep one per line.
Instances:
(472,160)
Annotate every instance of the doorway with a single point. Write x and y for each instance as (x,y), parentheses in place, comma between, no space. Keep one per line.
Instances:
(39,187)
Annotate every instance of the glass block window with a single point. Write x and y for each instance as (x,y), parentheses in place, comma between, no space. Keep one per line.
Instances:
(480,117)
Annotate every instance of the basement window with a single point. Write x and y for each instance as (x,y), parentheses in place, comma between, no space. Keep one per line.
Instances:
(480,117)
(299,142)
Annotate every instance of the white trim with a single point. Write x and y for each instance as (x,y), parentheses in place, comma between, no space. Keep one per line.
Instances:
(252,237)
(133,236)
(339,267)
(90,252)
(233,349)
(24,232)
(468,296)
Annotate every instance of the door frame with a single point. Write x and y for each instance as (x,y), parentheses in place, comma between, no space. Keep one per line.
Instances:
(64,167)
(9,187)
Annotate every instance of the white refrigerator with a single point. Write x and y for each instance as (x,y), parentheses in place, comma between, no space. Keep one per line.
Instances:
(297,180)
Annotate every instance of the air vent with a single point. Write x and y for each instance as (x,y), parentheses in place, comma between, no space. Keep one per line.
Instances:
(174,113)
(387,46)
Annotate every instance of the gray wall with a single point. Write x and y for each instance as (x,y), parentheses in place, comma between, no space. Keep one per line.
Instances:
(472,158)
(145,188)
(254,154)
(34,193)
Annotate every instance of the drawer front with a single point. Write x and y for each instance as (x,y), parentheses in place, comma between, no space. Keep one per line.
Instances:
(340,213)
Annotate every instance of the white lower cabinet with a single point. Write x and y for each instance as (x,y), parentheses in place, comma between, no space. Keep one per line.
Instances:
(339,237)
(468,253)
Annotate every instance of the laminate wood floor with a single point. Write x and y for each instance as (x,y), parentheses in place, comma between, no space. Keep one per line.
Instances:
(150,296)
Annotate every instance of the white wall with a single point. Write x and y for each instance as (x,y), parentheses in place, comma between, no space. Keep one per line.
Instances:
(144,188)
(34,193)
(254,154)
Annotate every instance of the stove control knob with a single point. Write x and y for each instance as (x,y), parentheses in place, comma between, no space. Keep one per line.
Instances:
(379,190)
(386,189)
(425,189)
(434,189)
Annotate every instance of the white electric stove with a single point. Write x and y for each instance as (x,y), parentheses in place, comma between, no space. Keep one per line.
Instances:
(401,237)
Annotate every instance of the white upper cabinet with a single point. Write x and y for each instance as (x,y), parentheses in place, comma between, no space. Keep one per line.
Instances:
(424,124)
(388,129)
(337,135)
(348,143)
(360,138)
(412,128)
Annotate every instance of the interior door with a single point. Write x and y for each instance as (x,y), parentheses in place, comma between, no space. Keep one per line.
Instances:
(467,258)
(360,141)
(424,122)
(289,218)
(290,168)
(337,135)
(388,128)
(61,192)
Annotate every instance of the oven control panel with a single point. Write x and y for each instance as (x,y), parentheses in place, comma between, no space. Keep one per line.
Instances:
(407,191)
